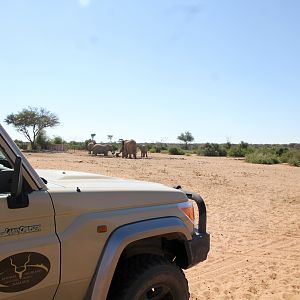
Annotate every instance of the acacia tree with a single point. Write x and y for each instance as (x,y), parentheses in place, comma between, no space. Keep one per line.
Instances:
(186,137)
(110,136)
(30,121)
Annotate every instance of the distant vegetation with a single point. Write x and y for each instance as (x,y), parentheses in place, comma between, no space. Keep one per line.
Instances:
(176,151)
(258,154)
(31,122)
(186,137)
(210,149)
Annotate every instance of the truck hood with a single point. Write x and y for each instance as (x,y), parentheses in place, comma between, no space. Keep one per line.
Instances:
(57,179)
(70,190)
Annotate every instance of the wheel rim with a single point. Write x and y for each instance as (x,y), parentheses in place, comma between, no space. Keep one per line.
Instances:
(158,292)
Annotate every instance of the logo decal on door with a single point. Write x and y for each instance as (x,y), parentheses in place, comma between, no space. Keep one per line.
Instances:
(22,271)
(20,230)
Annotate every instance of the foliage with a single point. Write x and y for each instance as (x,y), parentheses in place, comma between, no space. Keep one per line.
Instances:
(30,121)
(240,150)
(262,157)
(291,156)
(42,139)
(77,145)
(157,148)
(116,146)
(176,151)
(22,145)
(58,140)
(164,152)
(211,149)
(186,137)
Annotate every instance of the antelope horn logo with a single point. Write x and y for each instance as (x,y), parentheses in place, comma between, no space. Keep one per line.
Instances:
(20,269)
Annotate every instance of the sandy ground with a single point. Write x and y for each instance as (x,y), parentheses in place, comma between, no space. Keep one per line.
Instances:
(253,218)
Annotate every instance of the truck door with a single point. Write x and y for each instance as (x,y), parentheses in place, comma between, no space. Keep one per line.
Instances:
(29,247)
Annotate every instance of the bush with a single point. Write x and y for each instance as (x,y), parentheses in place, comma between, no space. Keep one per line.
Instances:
(240,150)
(292,157)
(175,151)
(42,140)
(260,157)
(77,145)
(294,162)
(22,145)
(210,149)
(281,151)
(58,140)
(236,151)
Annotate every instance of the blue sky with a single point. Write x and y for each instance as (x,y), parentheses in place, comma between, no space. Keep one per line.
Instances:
(150,70)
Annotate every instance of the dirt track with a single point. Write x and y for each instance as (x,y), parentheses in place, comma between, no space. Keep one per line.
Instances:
(253,218)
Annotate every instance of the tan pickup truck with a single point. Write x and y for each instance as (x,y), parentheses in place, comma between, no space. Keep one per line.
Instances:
(69,235)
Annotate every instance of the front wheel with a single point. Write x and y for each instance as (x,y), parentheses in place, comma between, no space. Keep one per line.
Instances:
(149,277)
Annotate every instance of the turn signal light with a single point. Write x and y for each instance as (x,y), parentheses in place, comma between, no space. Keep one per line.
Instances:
(189,211)
(101,228)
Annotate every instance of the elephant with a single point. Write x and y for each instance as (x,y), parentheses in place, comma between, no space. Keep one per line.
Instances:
(90,146)
(144,150)
(128,148)
(102,149)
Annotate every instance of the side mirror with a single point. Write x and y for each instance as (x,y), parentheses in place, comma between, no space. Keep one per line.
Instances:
(17,199)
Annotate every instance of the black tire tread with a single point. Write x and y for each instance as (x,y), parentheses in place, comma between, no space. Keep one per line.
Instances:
(129,270)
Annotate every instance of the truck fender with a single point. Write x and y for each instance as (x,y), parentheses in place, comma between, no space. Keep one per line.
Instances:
(118,241)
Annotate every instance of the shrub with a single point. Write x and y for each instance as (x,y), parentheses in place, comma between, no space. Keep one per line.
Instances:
(22,145)
(292,157)
(294,162)
(240,150)
(58,140)
(260,157)
(42,140)
(76,145)
(281,151)
(210,149)
(236,151)
(175,151)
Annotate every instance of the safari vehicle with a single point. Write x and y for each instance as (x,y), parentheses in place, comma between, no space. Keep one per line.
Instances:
(72,235)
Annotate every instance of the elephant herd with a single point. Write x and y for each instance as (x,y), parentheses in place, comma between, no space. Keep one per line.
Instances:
(128,149)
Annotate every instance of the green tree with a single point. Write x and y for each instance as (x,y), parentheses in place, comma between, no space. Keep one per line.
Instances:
(93,135)
(186,137)
(58,140)
(30,121)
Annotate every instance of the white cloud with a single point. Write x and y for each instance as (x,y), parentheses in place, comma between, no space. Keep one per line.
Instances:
(84,2)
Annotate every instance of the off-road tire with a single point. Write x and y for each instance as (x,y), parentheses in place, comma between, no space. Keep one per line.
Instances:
(146,277)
